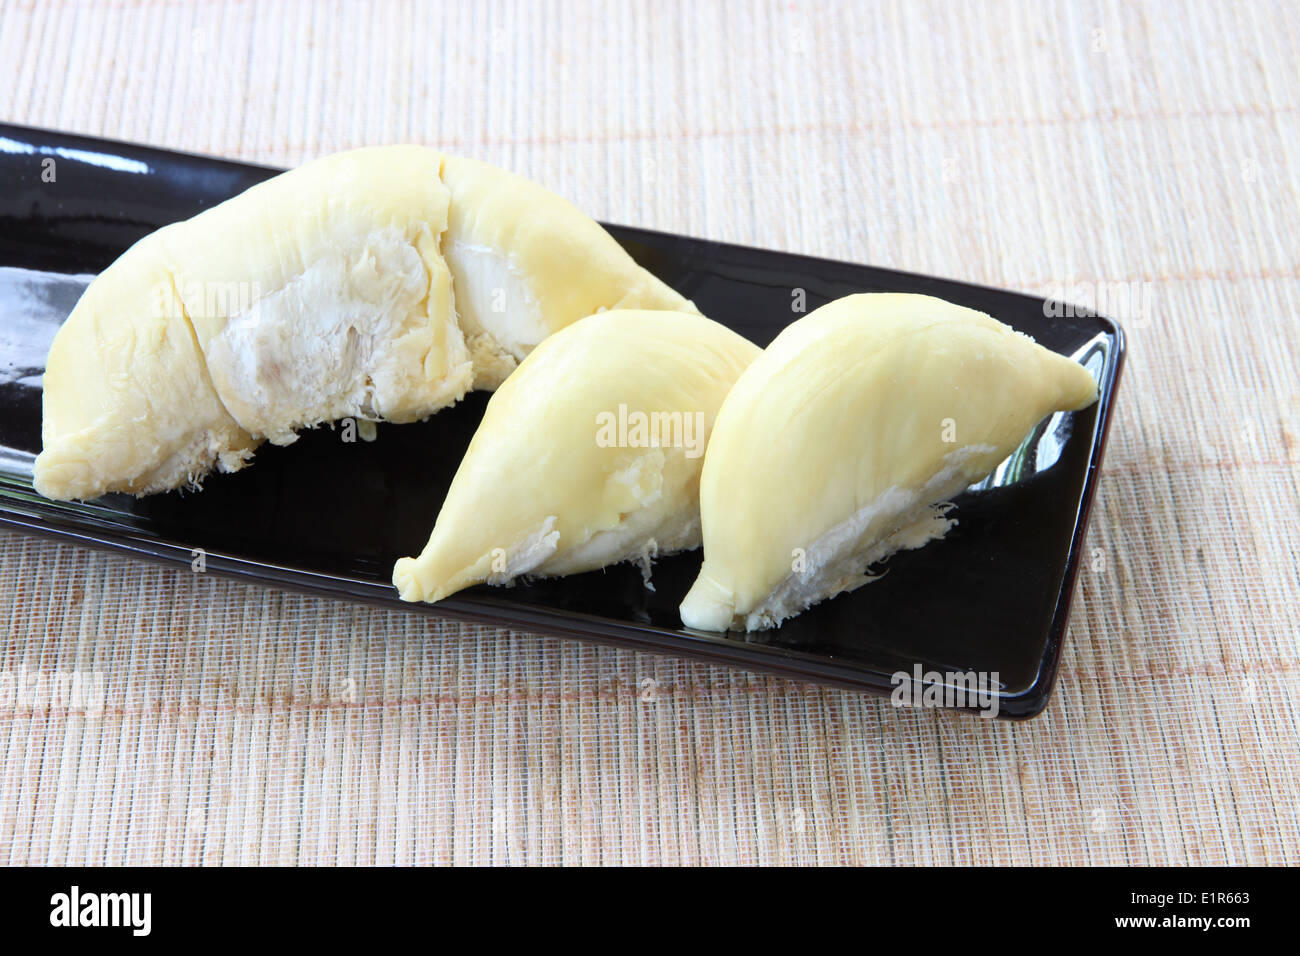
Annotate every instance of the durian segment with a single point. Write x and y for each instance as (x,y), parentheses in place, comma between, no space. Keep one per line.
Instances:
(322,293)
(316,295)
(526,263)
(588,455)
(840,443)
(128,405)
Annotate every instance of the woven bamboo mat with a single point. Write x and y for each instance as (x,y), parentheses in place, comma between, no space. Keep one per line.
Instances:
(1144,153)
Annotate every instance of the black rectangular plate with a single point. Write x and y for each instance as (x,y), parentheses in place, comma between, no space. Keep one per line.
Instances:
(329,518)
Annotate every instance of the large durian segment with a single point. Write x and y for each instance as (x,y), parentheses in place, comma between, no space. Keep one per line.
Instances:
(337,300)
(526,263)
(321,294)
(316,295)
(840,443)
(588,455)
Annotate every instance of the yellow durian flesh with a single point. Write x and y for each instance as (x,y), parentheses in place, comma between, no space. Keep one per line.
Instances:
(320,294)
(316,295)
(527,263)
(337,301)
(128,405)
(546,488)
(836,445)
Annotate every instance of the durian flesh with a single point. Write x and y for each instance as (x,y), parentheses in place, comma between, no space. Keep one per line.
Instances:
(588,455)
(379,284)
(839,445)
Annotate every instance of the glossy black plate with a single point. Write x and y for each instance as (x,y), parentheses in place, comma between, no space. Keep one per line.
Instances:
(329,518)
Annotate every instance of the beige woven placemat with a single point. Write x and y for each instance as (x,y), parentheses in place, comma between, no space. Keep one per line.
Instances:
(1144,154)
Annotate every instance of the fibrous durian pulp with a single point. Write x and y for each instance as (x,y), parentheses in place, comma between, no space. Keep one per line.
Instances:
(839,445)
(378,284)
(588,455)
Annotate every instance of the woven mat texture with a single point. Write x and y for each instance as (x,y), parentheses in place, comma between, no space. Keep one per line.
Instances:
(1144,146)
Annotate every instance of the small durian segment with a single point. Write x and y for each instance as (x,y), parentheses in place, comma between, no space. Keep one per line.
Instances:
(840,443)
(128,405)
(322,293)
(588,455)
(526,263)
